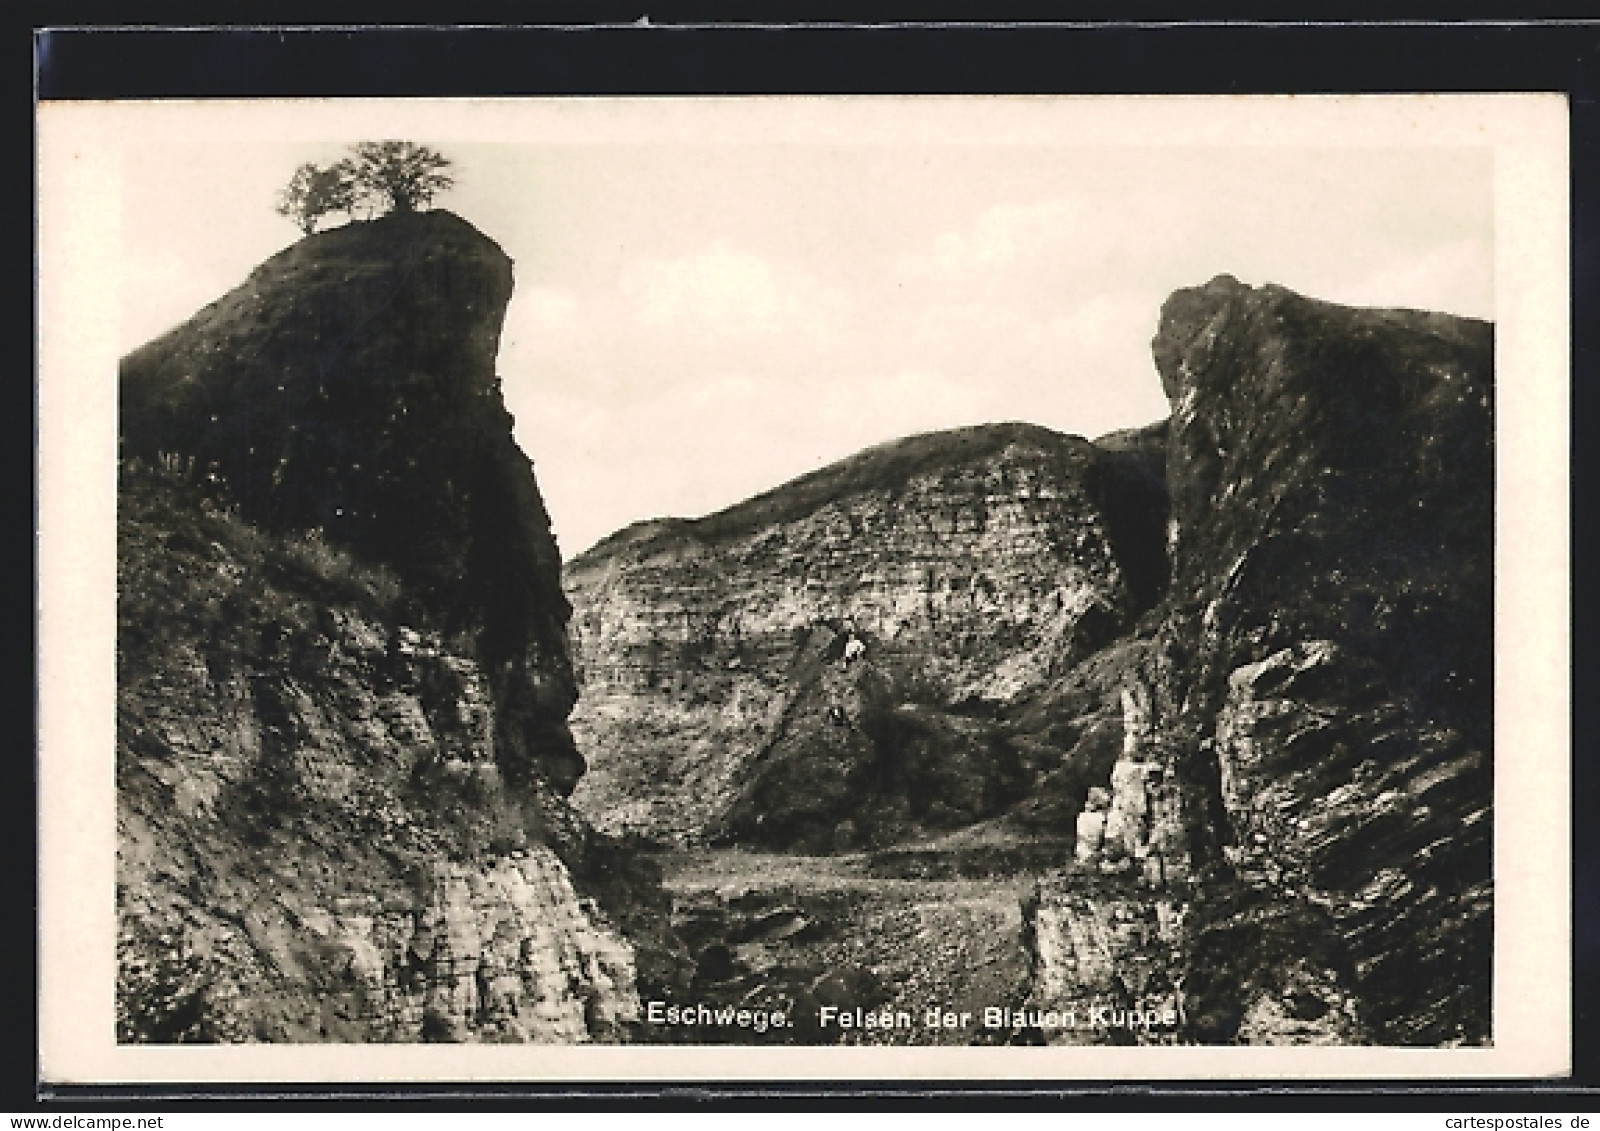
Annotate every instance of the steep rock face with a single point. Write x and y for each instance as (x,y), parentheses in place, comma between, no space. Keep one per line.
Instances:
(343,678)
(316,839)
(816,666)
(1319,684)
(349,386)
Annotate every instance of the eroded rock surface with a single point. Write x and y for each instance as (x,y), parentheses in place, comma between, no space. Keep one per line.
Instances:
(343,679)
(317,841)
(349,386)
(822,666)
(1319,682)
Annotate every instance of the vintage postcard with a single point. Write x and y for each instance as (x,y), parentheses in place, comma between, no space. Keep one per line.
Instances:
(1044,588)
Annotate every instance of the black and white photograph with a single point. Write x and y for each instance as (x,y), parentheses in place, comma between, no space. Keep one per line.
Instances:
(1015,581)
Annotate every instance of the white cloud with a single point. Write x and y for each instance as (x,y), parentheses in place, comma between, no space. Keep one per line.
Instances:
(684,334)
(1004,234)
(1001,236)
(1456,277)
(724,291)
(1044,253)
(544,333)
(681,384)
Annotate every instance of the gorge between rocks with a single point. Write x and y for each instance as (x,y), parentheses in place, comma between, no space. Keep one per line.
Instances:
(1183,733)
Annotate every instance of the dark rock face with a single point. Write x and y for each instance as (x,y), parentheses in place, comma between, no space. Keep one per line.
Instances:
(349,386)
(343,680)
(825,666)
(1333,495)
(1129,486)
(1306,773)
(316,841)
(851,763)
(1264,722)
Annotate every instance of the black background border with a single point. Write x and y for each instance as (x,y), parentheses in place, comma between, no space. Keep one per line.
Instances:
(112,50)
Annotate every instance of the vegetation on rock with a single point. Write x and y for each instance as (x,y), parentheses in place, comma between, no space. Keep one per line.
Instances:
(1196,716)
(343,680)
(378,178)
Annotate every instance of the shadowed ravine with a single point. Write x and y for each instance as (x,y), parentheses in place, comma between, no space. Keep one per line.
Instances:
(1216,692)
(1189,723)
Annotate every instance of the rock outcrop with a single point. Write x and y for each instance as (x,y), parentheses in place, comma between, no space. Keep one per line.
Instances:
(343,679)
(317,841)
(1319,716)
(1224,684)
(1242,659)
(349,387)
(822,666)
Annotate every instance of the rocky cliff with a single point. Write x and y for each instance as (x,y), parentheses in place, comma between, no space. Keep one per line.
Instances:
(1241,661)
(821,667)
(349,387)
(343,678)
(1195,720)
(1293,845)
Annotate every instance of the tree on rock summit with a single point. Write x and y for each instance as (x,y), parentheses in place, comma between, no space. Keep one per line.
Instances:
(313,193)
(382,177)
(402,175)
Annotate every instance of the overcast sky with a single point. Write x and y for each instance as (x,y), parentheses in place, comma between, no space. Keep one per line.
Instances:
(702,313)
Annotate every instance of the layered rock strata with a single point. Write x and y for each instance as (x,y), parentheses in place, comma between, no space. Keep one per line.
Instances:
(349,386)
(317,841)
(1319,684)
(820,666)
(342,675)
